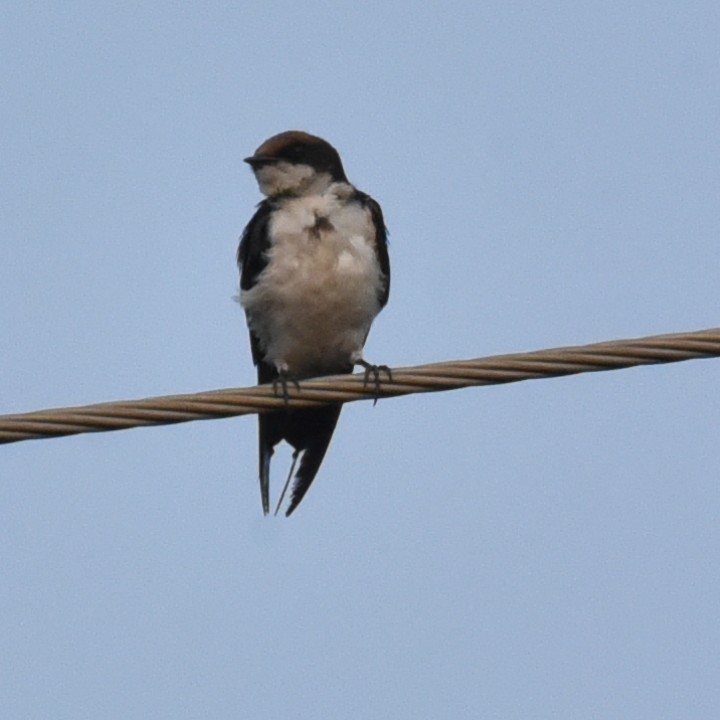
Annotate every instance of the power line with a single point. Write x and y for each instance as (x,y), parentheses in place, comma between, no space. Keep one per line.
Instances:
(435,377)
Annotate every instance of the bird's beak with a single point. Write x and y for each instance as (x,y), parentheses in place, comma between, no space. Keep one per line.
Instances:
(256,161)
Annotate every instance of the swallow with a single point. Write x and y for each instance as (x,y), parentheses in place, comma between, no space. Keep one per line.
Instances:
(314,274)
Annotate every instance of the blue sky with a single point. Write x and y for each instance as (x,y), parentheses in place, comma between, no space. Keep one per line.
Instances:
(550,175)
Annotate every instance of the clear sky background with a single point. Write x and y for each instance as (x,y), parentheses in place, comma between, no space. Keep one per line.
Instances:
(550,174)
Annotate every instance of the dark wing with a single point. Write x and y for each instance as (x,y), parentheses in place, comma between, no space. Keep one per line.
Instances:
(381,243)
(252,259)
(254,244)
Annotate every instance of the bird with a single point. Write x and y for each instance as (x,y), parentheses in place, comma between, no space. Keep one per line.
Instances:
(314,274)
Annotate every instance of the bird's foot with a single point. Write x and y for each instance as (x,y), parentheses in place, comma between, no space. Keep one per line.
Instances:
(375,371)
(281,382)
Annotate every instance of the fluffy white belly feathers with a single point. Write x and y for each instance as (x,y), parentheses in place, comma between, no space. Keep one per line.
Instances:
(312,306)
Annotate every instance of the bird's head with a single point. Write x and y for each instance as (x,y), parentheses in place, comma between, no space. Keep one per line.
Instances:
(296,163)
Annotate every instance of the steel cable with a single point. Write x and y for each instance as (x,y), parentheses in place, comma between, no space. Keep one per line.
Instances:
(435,377)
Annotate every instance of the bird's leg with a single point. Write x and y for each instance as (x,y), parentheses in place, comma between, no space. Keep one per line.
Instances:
(375,371)
(281,383)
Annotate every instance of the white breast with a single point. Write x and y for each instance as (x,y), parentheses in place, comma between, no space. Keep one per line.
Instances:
(313,305)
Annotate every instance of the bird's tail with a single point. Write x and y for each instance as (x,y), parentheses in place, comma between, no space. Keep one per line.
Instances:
(310,432)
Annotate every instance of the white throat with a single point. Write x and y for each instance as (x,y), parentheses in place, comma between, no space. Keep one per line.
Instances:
(284,177)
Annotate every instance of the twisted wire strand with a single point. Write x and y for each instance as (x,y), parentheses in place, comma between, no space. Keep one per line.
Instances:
(435,377)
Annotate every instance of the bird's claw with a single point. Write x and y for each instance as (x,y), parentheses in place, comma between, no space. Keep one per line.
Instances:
(281,382)
(375,371)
